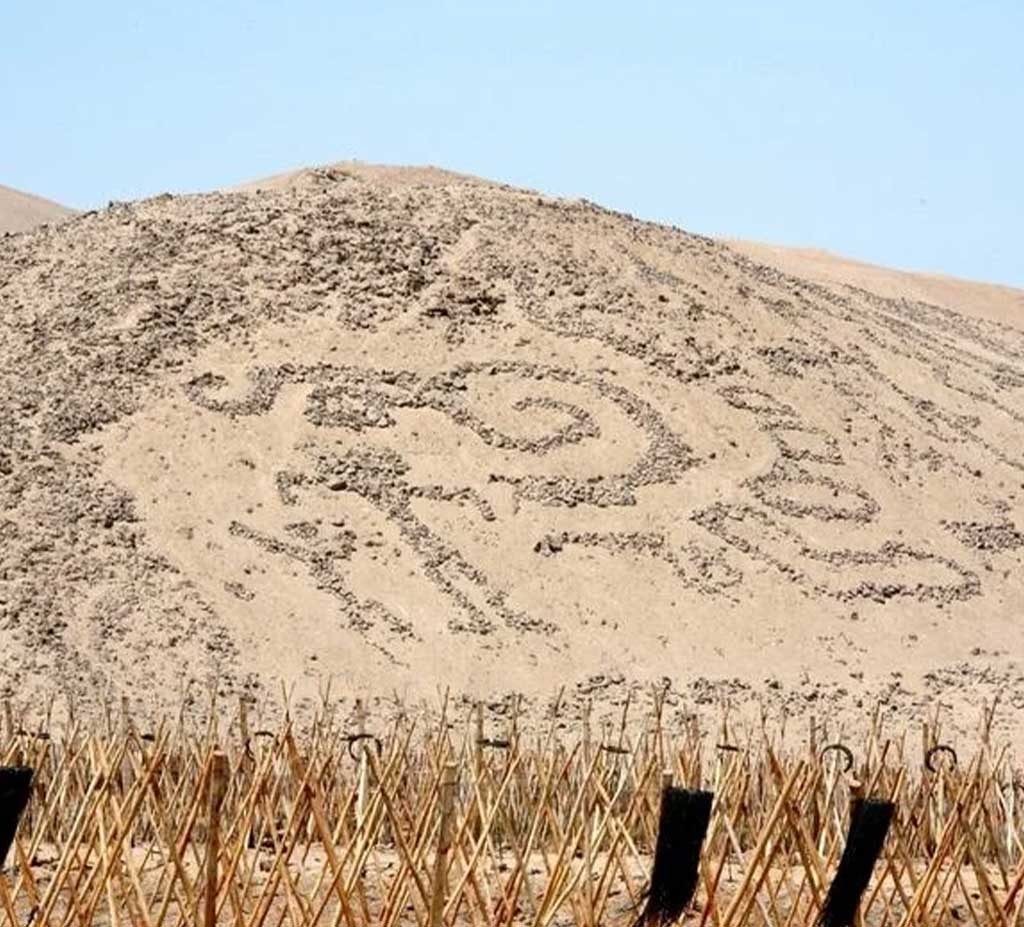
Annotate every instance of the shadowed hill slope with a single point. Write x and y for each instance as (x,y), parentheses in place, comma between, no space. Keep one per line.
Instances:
(407,429)
(20,212)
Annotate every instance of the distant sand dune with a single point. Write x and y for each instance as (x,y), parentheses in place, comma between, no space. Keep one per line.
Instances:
(999,303)
(20,212)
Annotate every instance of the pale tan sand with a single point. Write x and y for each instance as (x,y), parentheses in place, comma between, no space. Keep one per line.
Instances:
(998,303)
(408,430)
(20,212)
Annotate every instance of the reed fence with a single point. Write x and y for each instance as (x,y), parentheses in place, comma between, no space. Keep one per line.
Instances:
(468,819)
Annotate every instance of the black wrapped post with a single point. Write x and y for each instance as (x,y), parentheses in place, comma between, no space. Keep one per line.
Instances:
(15,785)
(682,826)
(869,824)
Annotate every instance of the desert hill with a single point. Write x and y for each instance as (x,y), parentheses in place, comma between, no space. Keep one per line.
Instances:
(990,301)
(407,429)
(20,212)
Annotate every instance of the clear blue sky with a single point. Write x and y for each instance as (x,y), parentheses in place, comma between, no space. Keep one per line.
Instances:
(890,131)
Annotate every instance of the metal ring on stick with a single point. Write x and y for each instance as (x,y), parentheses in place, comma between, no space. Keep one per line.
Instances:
(353,738)
(839,748)
(939,748)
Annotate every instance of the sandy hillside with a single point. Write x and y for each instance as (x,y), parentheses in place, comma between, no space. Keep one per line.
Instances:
(990,301)
(20,212)
(407,429)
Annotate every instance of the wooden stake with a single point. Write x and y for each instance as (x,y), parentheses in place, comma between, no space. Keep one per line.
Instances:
(126,716)
(439,887)
(8,719)
(478,770)
(243,722)
(587,751)
(361,797)
(218,788)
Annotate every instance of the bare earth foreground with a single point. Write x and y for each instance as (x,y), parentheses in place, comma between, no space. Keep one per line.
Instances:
(406,429)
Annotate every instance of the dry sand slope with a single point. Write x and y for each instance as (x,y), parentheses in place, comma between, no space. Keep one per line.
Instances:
(20,212)
(409,429)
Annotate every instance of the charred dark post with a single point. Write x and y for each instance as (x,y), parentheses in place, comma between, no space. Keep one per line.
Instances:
(682,826)
(869,824)
(15,785)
